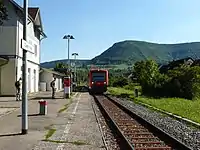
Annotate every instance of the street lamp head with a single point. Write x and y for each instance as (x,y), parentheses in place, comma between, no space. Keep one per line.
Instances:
(74,54)
(71,37)
(68,37)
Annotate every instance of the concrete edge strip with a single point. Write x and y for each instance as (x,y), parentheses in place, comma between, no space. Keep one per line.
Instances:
(67,127)
(171,114)
(98,122)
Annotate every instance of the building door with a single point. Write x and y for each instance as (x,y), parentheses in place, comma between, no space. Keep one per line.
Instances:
(35,81)
(29,80)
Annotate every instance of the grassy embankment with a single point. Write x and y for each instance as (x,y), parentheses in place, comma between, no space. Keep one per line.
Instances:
(182,107)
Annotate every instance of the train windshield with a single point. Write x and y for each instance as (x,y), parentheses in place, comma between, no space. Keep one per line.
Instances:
(98,76)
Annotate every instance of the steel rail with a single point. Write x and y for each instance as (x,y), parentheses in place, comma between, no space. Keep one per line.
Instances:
(164,136)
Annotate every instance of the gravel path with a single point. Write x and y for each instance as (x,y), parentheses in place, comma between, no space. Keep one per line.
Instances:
(179,130)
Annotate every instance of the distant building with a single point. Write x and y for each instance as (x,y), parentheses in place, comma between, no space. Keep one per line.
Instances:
(11,34)
(46,76)
(187,61)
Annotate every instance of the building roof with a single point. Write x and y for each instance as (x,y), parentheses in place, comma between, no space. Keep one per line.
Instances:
(51,71)
(33,11)
(173,64)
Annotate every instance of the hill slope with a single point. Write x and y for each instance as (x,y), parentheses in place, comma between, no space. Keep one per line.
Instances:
(128,52)
(132,51)
(52,64)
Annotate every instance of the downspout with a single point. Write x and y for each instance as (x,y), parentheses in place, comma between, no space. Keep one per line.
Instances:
(17,52)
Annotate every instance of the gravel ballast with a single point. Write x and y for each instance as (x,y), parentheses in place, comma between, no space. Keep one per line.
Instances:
(179,130)
(109,139)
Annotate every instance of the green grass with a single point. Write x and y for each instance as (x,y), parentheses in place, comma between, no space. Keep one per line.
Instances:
(65,106)
(120,92)
(50,133)
(74,142)
(182,107)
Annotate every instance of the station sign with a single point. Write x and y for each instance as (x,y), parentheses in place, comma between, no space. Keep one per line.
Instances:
(26,46)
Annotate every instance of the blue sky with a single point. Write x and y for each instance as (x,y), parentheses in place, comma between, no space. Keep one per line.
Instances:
(98,24)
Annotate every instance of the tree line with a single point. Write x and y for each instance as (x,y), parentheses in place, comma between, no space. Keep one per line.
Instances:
(182,81)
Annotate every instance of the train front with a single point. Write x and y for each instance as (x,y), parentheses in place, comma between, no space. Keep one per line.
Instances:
(98,81)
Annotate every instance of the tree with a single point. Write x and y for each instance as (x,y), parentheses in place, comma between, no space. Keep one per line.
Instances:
(3,13)
(61,65)
(62,68)
(147,74)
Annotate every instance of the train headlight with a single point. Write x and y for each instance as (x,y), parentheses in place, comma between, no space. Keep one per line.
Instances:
(104,82)
(92,82)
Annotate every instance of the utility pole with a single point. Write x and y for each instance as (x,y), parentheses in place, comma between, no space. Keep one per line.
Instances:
(75,54)
(24,75)
(69,37)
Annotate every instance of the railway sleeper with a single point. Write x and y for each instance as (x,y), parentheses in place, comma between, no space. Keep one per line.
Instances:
(142,134)
(145,140)
(135,131)
(139,138)
(153,148)
(148,144)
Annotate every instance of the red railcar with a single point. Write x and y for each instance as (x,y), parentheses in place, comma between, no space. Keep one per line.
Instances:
(98,80)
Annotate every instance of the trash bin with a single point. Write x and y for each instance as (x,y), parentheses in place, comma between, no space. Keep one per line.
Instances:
(136,92)
(43,107)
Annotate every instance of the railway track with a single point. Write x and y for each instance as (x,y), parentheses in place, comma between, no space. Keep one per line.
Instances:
(133,132)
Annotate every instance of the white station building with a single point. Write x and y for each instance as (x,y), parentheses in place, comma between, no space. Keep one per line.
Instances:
(11,34)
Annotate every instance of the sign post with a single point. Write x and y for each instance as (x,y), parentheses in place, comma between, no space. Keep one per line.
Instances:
(24,71)
(67,83)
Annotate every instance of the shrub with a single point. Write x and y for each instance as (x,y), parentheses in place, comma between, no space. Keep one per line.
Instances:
(120,82)
(185,82)
(130,86)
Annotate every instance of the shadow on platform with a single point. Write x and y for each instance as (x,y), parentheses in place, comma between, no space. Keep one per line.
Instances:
(30,115)
(81,89)
(4,101)
(39,98)
(11,134)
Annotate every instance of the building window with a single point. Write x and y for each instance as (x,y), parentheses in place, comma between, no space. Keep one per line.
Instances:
(35,49)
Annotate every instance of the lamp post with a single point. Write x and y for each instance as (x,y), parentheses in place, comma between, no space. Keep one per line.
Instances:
(75,54)
(68,38)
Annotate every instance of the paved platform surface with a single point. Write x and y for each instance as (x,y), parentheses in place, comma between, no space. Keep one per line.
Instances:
(78,129)
(10,123)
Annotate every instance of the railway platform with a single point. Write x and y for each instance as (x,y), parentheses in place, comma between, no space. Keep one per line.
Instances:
(69,124)
(76,129)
